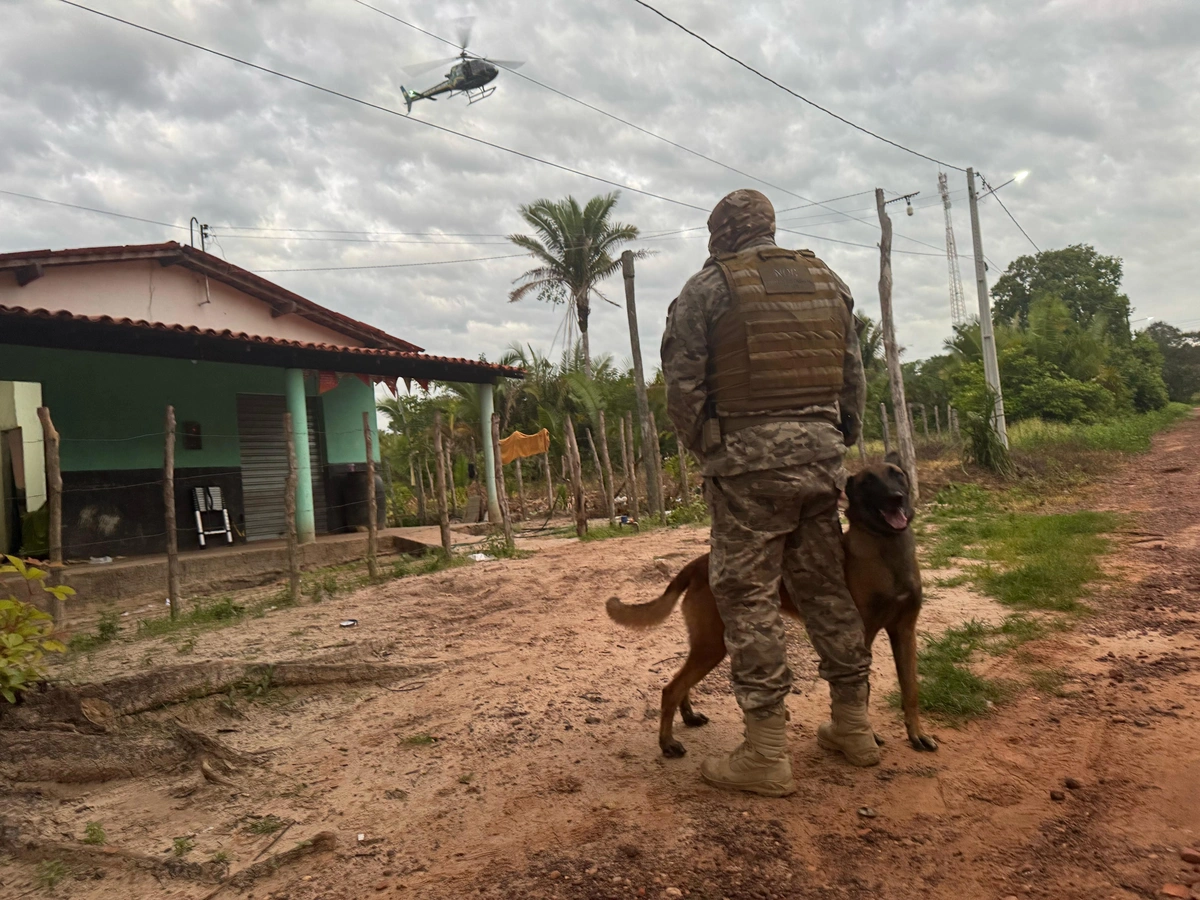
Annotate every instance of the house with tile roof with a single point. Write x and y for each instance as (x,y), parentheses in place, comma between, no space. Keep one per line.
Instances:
(106,338)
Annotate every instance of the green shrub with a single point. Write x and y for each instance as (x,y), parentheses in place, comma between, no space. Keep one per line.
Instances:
(93,833)
(26,633)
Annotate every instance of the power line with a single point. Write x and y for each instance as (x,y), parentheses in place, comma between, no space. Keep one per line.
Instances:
(92,209)
(808,201)
(788,90)
(336,93)
(993,193)
(351,240)
(433,262)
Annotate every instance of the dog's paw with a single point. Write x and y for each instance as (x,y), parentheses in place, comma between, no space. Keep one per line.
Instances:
(673,750)
(923,742)
(695,720)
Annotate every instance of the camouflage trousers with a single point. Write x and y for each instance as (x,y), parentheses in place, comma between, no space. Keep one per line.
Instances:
(783,523)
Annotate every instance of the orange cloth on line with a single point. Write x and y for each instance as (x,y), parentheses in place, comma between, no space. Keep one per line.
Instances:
(518,445)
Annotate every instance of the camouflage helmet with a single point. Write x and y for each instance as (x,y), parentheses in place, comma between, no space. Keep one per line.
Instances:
(739,218)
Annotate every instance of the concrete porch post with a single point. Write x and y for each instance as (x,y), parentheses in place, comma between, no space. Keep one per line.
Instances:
(297,404)
(486,407)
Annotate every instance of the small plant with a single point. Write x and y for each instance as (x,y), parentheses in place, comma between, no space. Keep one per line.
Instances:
(466,778)
(221,858)
(182,846)
(108,627)
(266,825)
(494,545)
(420,740)
(258,685)
(982,446)
(26,633)
(50,872)
(93,833)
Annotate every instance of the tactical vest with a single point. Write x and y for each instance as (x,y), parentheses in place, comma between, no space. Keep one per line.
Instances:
(781,344)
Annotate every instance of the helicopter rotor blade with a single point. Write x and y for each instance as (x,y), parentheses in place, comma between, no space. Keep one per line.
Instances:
(422,67)
(506,63)
(462,27)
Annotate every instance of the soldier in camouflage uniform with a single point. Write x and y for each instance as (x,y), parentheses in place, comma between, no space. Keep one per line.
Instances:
(765,385)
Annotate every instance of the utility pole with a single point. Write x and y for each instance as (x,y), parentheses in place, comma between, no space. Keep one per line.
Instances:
(987,337)
(651,458)
(904,437)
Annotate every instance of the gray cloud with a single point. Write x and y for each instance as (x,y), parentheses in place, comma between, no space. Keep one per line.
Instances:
(1098,101)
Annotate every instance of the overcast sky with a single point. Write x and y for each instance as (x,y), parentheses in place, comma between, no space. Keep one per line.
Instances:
(1098,99)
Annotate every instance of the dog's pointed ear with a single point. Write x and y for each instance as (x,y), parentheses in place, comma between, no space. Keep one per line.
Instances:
(850,488)
(894,458)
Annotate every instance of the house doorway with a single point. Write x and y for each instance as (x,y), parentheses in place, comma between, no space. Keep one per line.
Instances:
(263,447)
(22,467)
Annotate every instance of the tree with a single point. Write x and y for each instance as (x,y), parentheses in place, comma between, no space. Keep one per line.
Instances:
(1087,282)
(576,248)
(1181,360)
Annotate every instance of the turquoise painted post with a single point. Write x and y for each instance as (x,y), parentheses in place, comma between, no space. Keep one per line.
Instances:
(489,461)
(297,404)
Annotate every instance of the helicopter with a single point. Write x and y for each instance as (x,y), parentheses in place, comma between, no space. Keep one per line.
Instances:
(470,75)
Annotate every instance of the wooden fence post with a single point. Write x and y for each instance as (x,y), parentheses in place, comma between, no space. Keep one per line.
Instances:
(549,484)
(887,438)
(501,490)
(937,419)
(656,467)
(520,487)
(924,421)
(862,450)
(372,524)
(606,487)
(440,457)
(169,507)
(54,485)
(419,484)
(576,478)
(629,451)
(289,511)
(606,461)
(450,486)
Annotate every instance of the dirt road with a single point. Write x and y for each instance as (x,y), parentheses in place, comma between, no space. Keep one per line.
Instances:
(523,762)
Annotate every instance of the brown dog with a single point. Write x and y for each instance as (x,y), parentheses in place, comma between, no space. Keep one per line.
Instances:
(881,572)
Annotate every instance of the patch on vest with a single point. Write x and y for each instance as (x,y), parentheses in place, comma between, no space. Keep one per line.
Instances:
(785,277)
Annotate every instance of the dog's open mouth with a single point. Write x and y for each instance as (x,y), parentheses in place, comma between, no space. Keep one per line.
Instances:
(897,517)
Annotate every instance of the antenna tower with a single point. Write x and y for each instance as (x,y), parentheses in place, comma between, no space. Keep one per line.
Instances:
(958,305)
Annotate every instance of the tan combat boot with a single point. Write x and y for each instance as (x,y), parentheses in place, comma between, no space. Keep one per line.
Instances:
(850,732)
(761,764)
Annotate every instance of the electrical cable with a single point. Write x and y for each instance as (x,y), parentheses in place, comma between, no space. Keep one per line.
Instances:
(788,90)
(808,201)
(375,106)
(92,209)
(992,193)
(434,262)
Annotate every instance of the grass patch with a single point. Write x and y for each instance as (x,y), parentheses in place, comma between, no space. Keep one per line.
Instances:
(182,846)
(50,872)
(606,532)
(1025,560)
(93,833)
(266,825)
(948,686)
(420,740)
(1129,434)
(1049,681)
(106,631)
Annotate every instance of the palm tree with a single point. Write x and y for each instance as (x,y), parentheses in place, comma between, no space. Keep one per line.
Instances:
(576,250)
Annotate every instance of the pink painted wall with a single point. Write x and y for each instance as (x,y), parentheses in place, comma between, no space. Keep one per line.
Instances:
(171,295)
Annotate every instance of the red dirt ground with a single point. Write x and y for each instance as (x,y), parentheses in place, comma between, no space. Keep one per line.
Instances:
(544,780)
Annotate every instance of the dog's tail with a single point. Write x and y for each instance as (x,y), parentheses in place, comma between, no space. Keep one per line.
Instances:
(647,615)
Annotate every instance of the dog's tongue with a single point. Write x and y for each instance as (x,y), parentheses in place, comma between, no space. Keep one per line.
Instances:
(896,518)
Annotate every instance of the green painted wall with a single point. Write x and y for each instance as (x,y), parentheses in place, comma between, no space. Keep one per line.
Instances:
(109,407)
(343,407)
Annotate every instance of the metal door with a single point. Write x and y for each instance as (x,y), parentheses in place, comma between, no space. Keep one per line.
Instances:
(264,464)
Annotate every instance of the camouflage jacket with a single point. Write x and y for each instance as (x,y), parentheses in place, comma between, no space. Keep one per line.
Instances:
(819,432)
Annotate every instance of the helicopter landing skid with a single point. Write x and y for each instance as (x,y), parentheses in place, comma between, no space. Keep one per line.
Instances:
(479,94)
